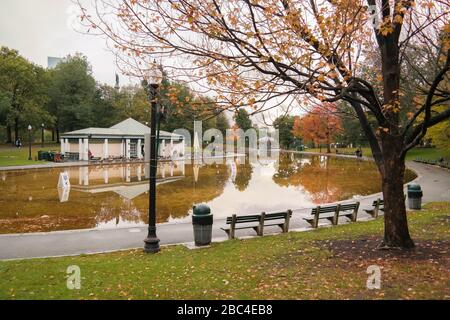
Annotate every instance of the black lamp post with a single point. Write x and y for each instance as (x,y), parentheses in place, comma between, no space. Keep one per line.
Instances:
(42,134)
(29,142)
(152,241)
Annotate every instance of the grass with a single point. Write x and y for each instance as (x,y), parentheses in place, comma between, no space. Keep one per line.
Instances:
(328,263)
(426,153)
(12,156)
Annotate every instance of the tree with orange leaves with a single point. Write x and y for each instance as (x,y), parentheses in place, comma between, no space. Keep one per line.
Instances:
(259,53)
(318,126)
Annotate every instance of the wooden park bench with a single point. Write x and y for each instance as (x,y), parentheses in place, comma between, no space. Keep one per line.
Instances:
(377,206)
(332,213)
(257,222)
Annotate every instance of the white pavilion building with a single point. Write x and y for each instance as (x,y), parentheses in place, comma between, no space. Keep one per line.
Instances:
(125,139)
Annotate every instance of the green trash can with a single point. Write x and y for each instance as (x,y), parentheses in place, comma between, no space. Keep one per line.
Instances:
(43,155)
(51,156)
(202,221)
(415,196)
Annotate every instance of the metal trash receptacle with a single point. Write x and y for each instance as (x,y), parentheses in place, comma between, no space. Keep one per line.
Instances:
(43,155)
(202,221)
(415,196)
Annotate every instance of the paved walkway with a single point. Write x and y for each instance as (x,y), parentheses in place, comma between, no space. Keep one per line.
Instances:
(434,181)
(48,165)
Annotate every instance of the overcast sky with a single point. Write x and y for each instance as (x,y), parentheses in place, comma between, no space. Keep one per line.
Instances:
(42,28)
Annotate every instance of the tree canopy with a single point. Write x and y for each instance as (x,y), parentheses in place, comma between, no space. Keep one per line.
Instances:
(242,119)
(321,125)
(68,98)
(285,125)
(71,93)
(22,93)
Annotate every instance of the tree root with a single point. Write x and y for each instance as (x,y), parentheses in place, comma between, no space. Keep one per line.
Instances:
(386,246)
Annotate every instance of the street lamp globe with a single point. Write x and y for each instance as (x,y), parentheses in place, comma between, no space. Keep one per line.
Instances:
(29,127)
(153,75)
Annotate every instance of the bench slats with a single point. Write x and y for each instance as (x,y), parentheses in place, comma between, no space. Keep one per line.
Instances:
(255,218)
(337,210)
(260,219)
(324,210)
(243,219)
(346,207)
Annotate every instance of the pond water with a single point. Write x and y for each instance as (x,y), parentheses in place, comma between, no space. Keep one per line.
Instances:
(117,195)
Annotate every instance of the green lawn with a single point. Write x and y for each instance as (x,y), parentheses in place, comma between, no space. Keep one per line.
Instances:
(328,263)
(426,153)
(11,156)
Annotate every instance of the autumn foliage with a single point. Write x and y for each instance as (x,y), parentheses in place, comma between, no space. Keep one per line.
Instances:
(319,126)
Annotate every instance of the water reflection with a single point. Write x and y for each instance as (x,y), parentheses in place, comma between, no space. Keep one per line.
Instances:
(117,195)
(128,181)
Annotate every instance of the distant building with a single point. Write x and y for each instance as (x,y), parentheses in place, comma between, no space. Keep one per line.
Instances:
(124,140)
(52,62)
(117,86)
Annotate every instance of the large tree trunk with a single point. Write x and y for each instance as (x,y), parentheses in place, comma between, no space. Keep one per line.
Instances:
(16,128)
(396,232)
(392,165)
(328,144)
(8,134)
(53,135)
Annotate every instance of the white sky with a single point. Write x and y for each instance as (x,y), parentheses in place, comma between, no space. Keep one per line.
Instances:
(42,28)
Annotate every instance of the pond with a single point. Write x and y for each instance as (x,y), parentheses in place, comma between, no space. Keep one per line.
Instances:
(111,196)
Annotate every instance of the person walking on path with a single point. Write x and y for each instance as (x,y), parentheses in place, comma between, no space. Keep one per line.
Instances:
(18,143)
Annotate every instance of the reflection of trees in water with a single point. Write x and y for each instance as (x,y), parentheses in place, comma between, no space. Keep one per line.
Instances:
(243,176)
(85,210)
(286,168)
(328,179)
(175,199)
(116,208)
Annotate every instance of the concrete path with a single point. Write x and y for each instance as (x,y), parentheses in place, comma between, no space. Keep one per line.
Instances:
(48,165)
(434,181)
(51,165)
